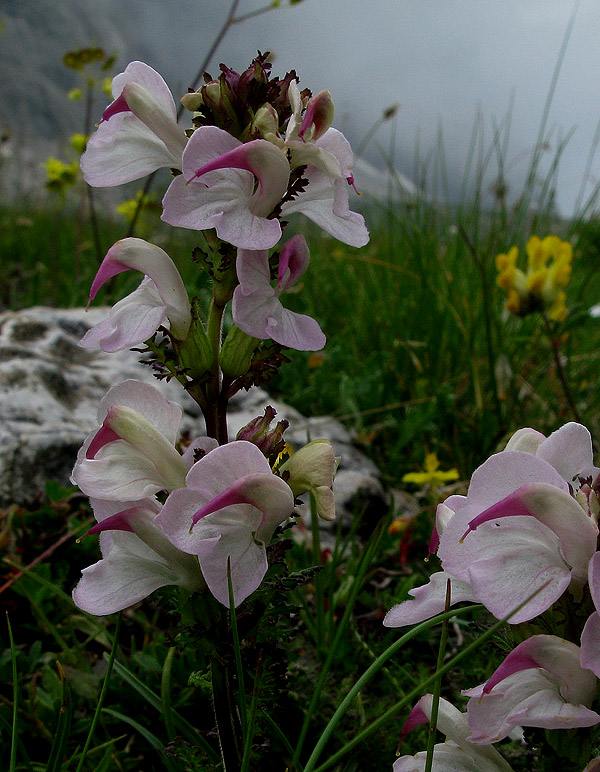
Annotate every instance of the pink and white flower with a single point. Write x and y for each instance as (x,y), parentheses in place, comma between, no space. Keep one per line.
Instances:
(458,753)
(226,515)
(136,559)
(256,307)
(520,536)
(217,188)
(138,133)
(540,683)
(328,158)
(161,298)
(132,455)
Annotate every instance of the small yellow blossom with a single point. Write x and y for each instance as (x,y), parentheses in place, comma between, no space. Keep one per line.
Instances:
(59,175)
(78,142)
(399,524)
(431,474)
(541,287)
(129,207)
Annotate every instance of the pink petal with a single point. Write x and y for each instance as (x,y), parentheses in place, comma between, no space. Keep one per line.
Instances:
(130,322)
(222,203)
(569,451)
(139,255)
(504,472)
(429,600)
(526,700)
(558,511)
(122,150)
(267,492)
(148,78)
(248,562)
(264,160)
(293,262)
(590,644)
(129,572)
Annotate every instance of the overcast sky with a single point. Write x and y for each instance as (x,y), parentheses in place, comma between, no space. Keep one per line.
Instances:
(441,60)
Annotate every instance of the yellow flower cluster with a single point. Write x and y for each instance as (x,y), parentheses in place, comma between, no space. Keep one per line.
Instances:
(541,287)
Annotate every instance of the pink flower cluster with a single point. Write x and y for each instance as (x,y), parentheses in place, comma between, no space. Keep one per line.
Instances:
(259,149)
(288,162)
(523,538)
(166,519)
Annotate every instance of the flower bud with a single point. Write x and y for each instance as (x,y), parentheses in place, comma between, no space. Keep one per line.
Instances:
(265,125)
(312,468)
(192,101)
(211,94)
(318,116)
(258,431)
(195,354)
(237,352)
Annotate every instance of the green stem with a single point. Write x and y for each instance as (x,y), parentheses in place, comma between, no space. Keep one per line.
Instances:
(408,698)
(487,298)
(319,593)
(237,652)
(437,686)
(215,424)
(228,725)
(103,691)
(356,586)
(14,736)
(562,376)
(252,717)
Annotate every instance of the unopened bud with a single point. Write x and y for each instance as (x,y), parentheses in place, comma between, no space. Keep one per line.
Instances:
(237,352)
(192,101)
(258,432)
(211,94)
(195,354)
(318,116)
(312,468)
(266,124)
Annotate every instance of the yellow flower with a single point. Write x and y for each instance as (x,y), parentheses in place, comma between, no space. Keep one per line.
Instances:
(399,524)
(541,287)
(78,142)
(431,474)
(59,175)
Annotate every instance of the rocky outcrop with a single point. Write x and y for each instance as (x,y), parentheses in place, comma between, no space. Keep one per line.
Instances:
(50,388)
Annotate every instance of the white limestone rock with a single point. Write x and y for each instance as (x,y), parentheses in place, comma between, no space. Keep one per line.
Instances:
(50,388)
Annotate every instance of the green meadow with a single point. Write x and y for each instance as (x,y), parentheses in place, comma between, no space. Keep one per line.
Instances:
(422,357)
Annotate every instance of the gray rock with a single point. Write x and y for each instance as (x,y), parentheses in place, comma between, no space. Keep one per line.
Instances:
(50,389)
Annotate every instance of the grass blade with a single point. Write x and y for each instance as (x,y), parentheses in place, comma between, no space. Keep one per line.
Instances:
(437,685)
(357,584)
(103,691)
(408,698)
(237,652)
(14,733)
(184,726)
(147,735)
(63,725)
(165,693)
